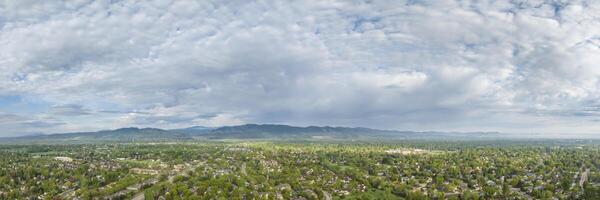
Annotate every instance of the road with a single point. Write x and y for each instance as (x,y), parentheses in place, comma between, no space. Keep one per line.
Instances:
(584,177)
(521,193)
(67,194)
(140,195)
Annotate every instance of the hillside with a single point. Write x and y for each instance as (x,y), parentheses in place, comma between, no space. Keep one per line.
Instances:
(118,135)
(256,131)
(248,131)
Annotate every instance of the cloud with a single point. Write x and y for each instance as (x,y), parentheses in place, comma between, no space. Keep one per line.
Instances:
(14,125)
(69,110)
(420,65)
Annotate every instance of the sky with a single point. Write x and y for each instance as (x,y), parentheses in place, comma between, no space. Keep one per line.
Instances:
(511,66)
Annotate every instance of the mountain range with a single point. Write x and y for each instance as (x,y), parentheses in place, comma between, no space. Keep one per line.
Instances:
(248,131)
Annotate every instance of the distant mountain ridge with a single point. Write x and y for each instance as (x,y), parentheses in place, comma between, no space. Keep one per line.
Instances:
(259,131)
(247,131)
(194,130)
(131,134)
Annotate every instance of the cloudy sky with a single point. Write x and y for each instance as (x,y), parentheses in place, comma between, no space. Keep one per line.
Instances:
(512,66)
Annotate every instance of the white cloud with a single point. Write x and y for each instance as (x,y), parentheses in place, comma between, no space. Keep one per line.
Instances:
(444,65)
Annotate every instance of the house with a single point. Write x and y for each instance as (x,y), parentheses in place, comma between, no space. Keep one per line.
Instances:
(143,171)
(135,187)
(63,159)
